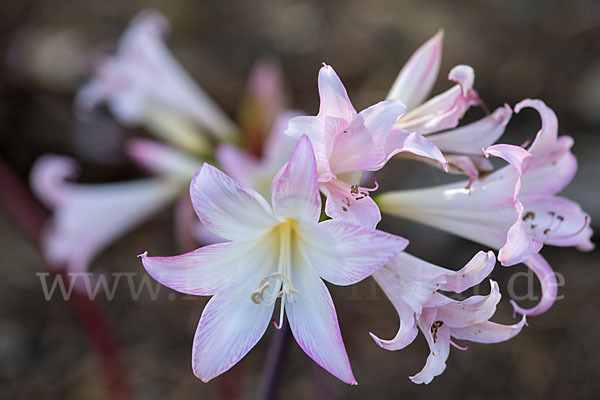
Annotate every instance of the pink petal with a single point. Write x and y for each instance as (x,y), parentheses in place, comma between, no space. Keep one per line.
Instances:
(160,159)
(204,271)
(417,76)
(87,217)
(519,245)
(489,332)
(237,163)
(470,166)
(445,110)
(231,324)
(439,350)
(343,203)
(314,324)
(547,135)
(295,188)
(472,274)
(334,99)
(519,158)
(227,208)
(279,146)
(400,140)
(473,310)
(547,278)
(471,138)
(344,254)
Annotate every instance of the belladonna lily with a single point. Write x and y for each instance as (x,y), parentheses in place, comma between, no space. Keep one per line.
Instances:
(347,143)
(412,286)
(278,251)
(87,217)
(461,146)
(515,209)
(143,84)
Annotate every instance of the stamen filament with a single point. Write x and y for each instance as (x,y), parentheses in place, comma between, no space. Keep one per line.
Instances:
(449,340)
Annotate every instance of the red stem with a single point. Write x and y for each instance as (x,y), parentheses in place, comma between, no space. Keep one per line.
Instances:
(30,217)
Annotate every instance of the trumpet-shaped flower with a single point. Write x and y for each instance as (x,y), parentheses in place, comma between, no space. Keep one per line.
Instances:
(87,217)
(515,209)
(278,251)
(461,146)
(346,142)
(412,286)
(143,82)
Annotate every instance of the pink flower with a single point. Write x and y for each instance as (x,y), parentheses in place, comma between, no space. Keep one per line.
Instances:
(461,146)
(87,217)
(278,251)
(515,209)
(412,286)
(143,81)
(346,142)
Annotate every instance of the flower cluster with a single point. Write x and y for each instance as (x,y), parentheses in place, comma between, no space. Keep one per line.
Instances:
(292,210)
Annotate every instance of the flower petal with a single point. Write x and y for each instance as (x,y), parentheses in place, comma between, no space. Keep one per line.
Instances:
(237,163)
(547,135)
(417,76)
(471,138)
(295,188)
(400,140)
(446,109)
(204,271)
(334,98)
(473,273)
(344,254)
(489,332)
(314,324)
(360,210)
(547,278)
(162,160)
(473,310)
(231,324)
(227,208)
(439,350)
(87,217)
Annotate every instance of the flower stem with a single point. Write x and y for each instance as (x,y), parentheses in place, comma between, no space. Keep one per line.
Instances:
(274,365)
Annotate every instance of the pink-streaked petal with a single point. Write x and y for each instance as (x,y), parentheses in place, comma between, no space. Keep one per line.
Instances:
(295,188)
(547,278)
(334,98)
(400,140)
(439,350)
(547,135)
(227,208)
(231,324)
(519,245)
(204,236)
(489,332)
(556,221)
(344,254)
(237,163)
(445,110)
(473,310)
(471,138)
(551,172)
(315,326)
(204,271)
(160,159)
(87,217)
(358,209)
(519,158)
(417,76)
(472,274)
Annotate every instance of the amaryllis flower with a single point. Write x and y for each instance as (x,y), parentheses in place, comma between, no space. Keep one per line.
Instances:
(515,209)
(87,217)
(461,146)
(143,83)
(412,286)
(346,142)
(278,251)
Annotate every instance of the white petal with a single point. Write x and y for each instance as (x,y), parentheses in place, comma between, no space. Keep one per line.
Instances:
(227,208)
(334,98)
(314,324)
(344,254)
(439,350)
(416,79)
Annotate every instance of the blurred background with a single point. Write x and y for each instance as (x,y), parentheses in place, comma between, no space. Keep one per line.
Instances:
(548,50)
